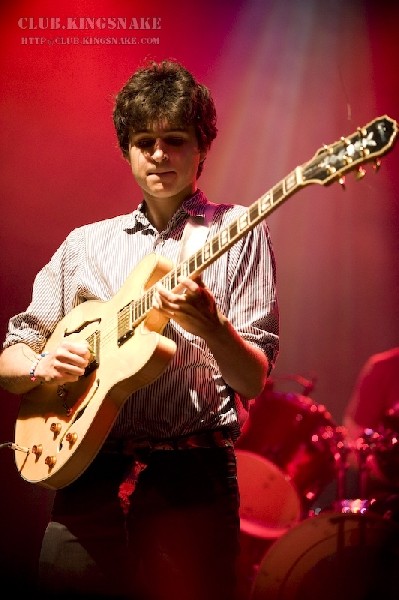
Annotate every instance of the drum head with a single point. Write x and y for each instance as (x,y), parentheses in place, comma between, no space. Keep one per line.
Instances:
(332,556)
(269,504)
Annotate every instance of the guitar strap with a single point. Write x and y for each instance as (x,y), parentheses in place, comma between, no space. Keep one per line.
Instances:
(196,231)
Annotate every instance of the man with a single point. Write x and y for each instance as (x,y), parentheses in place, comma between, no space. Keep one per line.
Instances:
(155,514)
(371,420)
(375,392)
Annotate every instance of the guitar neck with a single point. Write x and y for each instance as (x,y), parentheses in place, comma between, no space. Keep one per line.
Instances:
(326,166)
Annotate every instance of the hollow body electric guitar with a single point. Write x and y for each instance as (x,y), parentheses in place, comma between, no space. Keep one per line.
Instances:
(60,429)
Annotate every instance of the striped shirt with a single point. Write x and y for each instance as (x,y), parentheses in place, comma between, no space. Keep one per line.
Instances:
(93,263)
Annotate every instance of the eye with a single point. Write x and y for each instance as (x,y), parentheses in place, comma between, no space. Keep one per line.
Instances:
(144,143)
(174,141)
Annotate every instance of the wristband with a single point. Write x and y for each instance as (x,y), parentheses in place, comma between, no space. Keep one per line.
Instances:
(34,366)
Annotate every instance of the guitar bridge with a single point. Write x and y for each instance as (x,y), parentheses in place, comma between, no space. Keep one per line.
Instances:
(92,366)
(94,346)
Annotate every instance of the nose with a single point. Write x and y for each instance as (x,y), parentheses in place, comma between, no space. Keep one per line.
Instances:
(159,153)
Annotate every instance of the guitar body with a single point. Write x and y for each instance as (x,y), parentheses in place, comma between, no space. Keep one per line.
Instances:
(65,426)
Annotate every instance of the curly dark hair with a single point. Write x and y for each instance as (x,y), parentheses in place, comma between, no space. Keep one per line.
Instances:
(164,91)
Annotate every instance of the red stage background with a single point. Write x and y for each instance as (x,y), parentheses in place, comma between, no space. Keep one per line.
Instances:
(287,77)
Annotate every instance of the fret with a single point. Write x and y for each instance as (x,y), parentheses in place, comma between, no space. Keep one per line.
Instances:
(194,262)
(139,309)
(253,213)
(224,237)
(233,230)
(133,311)
(266,202)
(291,181)
(174,275)
(215,246)
(143,305)
(278,192)
(170,280)
(243,221)
(148,301)
(206,252)
(184,271)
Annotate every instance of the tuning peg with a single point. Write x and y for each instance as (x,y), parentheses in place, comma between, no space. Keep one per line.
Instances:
(376,164)
(360,173)
(341,182)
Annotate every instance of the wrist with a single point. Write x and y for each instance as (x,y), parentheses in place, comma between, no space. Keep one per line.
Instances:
(32,372)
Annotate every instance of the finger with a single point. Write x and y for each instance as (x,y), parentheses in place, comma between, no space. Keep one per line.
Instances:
(156,301)
(169,299)
(77,348)
(188,285)
(70,355)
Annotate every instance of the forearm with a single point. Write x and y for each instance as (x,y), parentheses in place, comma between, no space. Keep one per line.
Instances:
(243,366)
(15,368)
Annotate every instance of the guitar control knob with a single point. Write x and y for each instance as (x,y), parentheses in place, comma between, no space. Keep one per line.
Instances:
(50,461)
(55,428)
(71,438)
(37,450)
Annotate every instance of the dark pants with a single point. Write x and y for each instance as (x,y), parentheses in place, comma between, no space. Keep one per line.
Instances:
(179,540)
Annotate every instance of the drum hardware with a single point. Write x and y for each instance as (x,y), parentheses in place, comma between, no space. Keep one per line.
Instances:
(354,506)
(307,384)
(390,420)
(342,451)
(373,493)
(377,453)
(384,462)
(364,449)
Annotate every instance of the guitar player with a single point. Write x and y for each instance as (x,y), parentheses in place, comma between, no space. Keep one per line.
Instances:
(130,405)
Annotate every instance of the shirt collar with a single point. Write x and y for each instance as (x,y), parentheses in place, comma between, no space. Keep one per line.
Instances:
(194,206)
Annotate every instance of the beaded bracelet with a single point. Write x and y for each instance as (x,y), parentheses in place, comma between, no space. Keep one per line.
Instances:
(34,366)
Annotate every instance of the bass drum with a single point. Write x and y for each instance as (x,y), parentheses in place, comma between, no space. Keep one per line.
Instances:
(297,436)
(331,556)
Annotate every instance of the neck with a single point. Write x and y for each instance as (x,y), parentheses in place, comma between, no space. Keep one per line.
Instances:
(159,211)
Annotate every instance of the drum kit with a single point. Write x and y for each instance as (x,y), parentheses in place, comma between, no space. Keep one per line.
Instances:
(289,452)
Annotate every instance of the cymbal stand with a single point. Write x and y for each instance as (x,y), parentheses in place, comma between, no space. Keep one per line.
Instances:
(362,449)
(341,452)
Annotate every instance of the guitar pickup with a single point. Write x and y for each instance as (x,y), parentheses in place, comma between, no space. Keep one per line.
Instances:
(125,325)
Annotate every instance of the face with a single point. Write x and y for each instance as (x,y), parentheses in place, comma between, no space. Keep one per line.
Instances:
(164,161)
